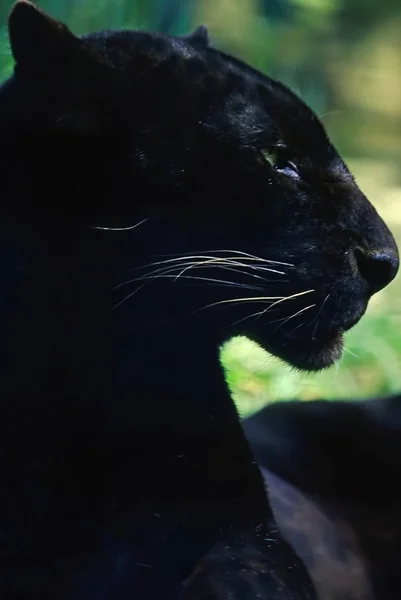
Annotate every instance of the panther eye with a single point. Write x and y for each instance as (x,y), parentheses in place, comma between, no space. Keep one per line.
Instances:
(280,164)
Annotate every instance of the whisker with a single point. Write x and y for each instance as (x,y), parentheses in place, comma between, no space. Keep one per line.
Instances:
(200,258)
(118,228)
(239,262)
(297,327)
(269,308)
(276,300)
(151,275)
(330,112)
(255,314)
(348,351)
(285,320)
(319,311)
(163,273)
(316,318)
(171,268)
(129,296)
(182,259)
(234,300)
(288,298)
(223,263)
(315,328)
(239,252)
(207,279)
(210,279)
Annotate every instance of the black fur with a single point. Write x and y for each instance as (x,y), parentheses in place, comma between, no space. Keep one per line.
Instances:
(122,458)
(248,567)
(199,37)
(343,460)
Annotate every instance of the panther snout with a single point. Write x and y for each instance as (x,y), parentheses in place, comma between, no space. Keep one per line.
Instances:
(377,267)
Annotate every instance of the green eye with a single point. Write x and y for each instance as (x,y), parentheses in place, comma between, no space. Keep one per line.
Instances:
(279,163)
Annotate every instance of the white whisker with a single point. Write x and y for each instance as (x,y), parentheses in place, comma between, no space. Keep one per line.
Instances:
(261,299)
(255,314)
(348,351)
(165,275)
(199,259)
(269,308)
(210,279)
(222,262)
(316,318)
(315,329)
(117,228)
(299,312)
(297,327)
(288,298)
(219,263)
(146,280)
(176,267)
(241,253)
(128,297)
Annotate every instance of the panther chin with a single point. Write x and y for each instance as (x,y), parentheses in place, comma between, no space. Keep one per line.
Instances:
(315,349)
(319,354)
(307,354)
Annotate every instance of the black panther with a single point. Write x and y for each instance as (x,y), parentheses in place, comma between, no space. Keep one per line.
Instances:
(332,470)
(158,196)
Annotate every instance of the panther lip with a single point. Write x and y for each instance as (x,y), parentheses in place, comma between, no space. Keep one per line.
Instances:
(310,354)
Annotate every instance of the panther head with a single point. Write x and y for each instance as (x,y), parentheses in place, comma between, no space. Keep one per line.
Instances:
(237,191)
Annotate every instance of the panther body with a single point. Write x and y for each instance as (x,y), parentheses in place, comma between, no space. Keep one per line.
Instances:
(155,193)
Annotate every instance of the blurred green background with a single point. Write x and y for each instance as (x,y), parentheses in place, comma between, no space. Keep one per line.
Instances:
(344,58)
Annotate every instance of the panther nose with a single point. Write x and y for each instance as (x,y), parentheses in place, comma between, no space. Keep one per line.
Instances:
(377,267)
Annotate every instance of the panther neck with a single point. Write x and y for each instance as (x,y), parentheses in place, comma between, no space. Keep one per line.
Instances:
(127,375)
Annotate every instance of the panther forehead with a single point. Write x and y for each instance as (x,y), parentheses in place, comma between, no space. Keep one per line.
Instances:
(228,92)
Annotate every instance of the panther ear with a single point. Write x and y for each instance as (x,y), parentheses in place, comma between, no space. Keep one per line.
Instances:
(36,39)
(199,37)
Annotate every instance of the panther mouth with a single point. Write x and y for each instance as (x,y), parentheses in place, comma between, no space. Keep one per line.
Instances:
(314,355)
(330,351)
(319,349)
(312,352)
(324,349)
